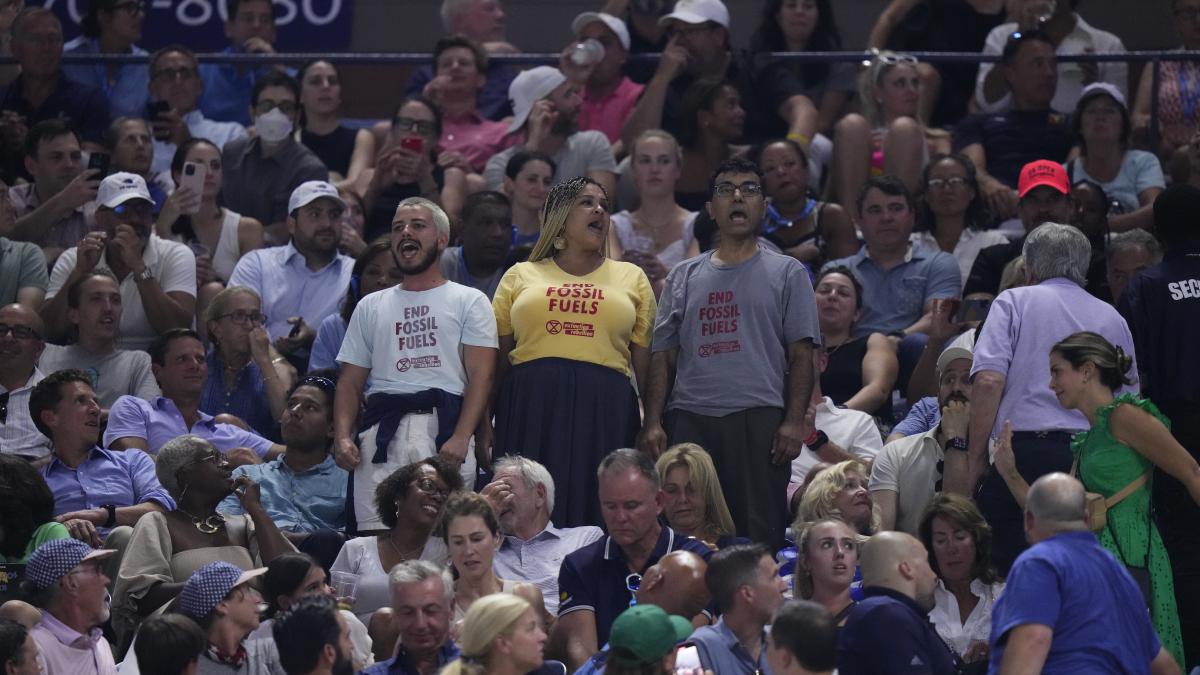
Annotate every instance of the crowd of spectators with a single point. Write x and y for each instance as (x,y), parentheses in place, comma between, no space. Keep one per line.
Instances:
(718,362)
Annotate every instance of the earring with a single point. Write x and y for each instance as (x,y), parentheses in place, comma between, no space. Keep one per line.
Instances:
(560,244)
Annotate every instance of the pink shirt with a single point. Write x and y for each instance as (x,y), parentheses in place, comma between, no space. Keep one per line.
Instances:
(608,114)
(67,652)
(475,137)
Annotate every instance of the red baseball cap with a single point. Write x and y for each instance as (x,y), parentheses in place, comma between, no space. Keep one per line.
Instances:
(1043,172)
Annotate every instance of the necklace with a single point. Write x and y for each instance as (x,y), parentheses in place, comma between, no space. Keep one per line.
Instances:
(403,555)
(829,352)
(209,525)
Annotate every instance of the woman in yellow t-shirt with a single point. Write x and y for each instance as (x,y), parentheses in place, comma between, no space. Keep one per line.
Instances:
(574,325)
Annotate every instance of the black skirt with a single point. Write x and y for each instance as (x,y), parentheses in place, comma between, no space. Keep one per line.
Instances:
(567,415)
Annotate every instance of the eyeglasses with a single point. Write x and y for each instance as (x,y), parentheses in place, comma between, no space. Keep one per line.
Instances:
(423,127)
(133,7)
(432,489)
(175,74)
(135,208)
(951,182)
(255,318)
(633,583)
(726,190)
(678,31)
(19,332)
(285,107)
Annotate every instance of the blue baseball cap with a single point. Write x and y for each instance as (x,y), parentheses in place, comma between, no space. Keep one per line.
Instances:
(54,559)
(210,584)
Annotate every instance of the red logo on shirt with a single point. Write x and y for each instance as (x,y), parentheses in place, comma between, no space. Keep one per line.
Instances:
(554,327)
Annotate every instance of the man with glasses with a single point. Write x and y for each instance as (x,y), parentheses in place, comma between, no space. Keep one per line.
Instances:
(20,346)
(67,581)
(175,81)
(179,364)
(157,276)
(732,358)
(260,172)
(111,27)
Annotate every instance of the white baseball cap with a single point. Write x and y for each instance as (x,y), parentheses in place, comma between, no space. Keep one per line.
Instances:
(961,347)
(614,24)
(305,193)
(120,187)
(697,12)
(1101,88)
(529,87)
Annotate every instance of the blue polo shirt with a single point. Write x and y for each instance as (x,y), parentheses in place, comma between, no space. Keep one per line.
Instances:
(894,299)
(228,88)
(1072,584)
(307,501)
(593,578)
(401,664)
(888,632)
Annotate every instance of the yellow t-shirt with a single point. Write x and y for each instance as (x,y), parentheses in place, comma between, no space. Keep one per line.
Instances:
(591,318)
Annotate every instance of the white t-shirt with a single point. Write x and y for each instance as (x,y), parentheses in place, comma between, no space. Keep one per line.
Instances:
(852,430)
(412,340)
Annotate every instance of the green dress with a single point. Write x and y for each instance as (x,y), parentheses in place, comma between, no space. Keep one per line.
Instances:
(1107,465)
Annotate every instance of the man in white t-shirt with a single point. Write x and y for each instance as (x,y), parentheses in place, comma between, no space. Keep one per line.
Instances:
(430,347)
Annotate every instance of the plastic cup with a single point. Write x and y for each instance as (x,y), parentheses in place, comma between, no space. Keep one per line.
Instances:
(345,588)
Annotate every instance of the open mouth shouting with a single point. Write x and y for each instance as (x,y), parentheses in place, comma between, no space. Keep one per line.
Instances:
(409,249)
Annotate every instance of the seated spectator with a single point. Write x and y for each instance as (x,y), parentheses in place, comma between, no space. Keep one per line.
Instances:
(304,491)
(410,503)
(157,277)
(1068,34)
(26,511)
(840,492)
(177,359)
(129,141)
(944,332)
(112,27)
(1131,178)
(246,377)
(229,87)
(94,309)
(888,138)
(344,151)
(460,69)
(292,577)
(1172,125)
(803,640)
(300,283)
(908,472)
(502,633)
(486,236)
(171,644)
(21,343)
(809,230)
(608,96)
(56,209)
(175,547)
(374,270)
(98,493)
(546,119)
(23,276)
(313,637)
(65,578)
(890,625)
(745,583)
(657,235)
(644,641)
(220,597)
(260,173)
(531,548)
(711,120)
(953,215)
(43,91)
(353,225)
(1091,216)
(826,566)
(409,165)
(959,542)
(1127,254)
(693,504)
(528,177)
(1001,143)
(860,372)
(419,593)
(175,81)
(593,581)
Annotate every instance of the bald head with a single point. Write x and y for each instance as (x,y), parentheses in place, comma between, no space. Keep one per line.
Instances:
(19,354)
(23,315)
(676,584)
(1055,503)
(882,554)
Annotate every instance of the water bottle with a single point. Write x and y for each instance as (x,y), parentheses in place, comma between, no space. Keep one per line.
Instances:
(587,53)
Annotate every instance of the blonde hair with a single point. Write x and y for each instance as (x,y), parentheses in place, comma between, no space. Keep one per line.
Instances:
(703,475)
(868,82)
(220,302)
(818,502)
(440,220)
(660,134)
(802,583)
(488,618)
(554,216)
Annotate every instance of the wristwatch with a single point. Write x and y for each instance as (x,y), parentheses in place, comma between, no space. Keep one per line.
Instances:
(144,275)
(957,443)
(112,514)
(818,442)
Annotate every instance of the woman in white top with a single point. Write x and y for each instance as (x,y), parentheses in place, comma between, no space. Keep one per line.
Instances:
(658,234)
(959,542)
(953,212)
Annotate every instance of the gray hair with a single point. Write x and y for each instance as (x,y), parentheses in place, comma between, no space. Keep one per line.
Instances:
(1132,239)
(1058,503)
(450,11)
(440,219)
(176,454)
(1055,250)
(624,459)
(531,472)
(416,571)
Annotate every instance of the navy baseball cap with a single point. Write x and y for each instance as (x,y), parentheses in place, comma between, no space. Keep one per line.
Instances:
(210,584)
(53,559)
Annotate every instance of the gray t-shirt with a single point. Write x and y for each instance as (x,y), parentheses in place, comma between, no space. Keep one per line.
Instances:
(22,265)
(113,375)
(584,152)
(732,326)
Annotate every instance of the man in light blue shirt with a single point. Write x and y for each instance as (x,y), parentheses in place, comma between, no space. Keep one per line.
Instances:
(125,89)
(251,30)
(175,80)
(745,583)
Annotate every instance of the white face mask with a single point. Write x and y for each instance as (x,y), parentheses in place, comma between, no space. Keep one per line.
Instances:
(274,126)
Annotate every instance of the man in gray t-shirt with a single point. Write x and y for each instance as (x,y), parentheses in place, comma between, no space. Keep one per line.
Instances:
(732,361)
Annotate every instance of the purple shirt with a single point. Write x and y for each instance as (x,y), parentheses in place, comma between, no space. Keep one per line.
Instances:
(105,477)
(63,650)
(1028,322)
(158,421)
